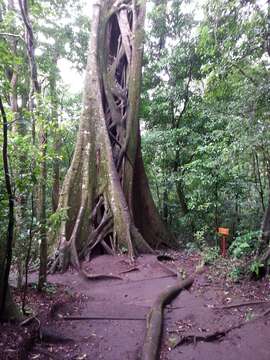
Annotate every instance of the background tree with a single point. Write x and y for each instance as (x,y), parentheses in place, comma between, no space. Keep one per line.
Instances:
(226,112)
(25,121)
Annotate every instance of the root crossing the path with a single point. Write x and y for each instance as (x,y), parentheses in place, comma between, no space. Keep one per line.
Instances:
(155,319)
(114,319)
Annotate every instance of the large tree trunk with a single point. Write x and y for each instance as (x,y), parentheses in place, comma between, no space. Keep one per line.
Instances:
(105,195)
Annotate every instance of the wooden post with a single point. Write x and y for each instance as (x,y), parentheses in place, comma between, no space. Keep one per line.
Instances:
(224,232)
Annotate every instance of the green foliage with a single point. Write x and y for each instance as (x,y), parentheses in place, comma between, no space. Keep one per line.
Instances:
(192,247)
(60,32)
(205,106)
(245,244)
(56,218)
(256,267)
(236,273)
(210,255)
(50,289)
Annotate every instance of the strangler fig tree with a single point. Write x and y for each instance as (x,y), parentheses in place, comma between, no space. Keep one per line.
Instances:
(105,195)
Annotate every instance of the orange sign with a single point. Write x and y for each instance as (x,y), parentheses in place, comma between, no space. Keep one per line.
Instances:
(223,231)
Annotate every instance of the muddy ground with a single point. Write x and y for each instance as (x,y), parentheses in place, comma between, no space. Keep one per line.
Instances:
(114,312)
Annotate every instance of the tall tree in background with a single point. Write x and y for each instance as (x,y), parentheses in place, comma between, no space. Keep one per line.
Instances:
(235,43)
(105,196)
(34,100)
(171,76)
(26,81)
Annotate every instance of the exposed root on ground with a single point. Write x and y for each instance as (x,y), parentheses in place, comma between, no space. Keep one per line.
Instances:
(165,258)
(135,268)
(52,337)
(155,319)
(94,277)
(242,304)
(39,350)
(168,269)
(215,336)
(38,334)
(79,318)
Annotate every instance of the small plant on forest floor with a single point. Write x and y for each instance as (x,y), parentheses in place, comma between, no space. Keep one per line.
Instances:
(192,247)
(28,311)
(182,273)
(199,243)
(210,255)
(50,289)
(244,245)
(124,249)
(255,267)
(33,285)
(199,237)
(249,315)
(235,273)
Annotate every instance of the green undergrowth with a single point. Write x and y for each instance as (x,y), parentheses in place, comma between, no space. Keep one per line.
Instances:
(240,262)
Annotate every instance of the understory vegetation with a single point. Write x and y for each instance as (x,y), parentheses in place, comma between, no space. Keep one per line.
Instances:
(204,118)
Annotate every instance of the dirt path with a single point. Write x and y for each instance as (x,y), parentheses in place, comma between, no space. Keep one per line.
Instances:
(191,312)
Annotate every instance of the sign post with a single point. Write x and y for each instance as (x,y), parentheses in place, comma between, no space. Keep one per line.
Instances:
(224,232)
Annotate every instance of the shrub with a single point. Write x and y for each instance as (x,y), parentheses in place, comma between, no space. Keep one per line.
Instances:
(244,245)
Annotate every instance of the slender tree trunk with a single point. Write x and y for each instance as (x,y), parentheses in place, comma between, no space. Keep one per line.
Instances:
(105,193)
(18,127)
(35,96)
(20,198)
(165,212)
(181,197)
(258,179)
(7,307)
(56,140)
(42,211)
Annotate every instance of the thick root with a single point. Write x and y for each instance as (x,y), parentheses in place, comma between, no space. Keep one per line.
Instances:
(94,277)
(155,319)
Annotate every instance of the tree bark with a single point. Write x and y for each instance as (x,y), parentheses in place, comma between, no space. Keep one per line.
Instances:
(105,194)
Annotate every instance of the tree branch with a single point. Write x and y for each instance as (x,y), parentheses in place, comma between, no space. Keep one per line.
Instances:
(186,97)
(12,35)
